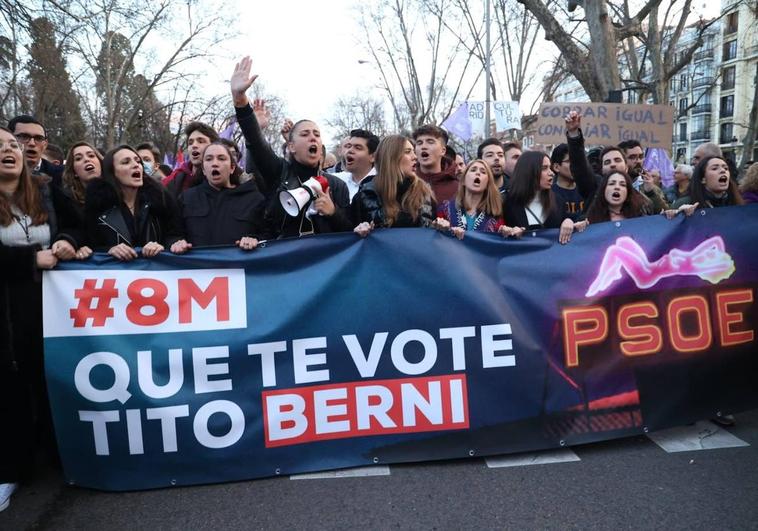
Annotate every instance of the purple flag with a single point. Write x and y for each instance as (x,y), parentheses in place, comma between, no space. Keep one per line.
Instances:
(658,159)
(168,160)
(458,123)
(228,133)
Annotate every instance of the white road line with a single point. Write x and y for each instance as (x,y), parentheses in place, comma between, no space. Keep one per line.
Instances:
(358,472)
(563,455)
(703,435)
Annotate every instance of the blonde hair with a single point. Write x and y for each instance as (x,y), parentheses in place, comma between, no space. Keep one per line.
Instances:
(388,176)
(490,203)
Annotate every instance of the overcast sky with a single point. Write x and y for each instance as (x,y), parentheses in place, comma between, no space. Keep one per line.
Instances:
(307,53)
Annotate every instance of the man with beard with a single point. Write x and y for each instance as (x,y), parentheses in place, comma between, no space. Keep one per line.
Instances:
(199,135)
(359,159)
(491,152)
(32,134)
(511,152)
(612,159)
(433,166)
(634,154)
(328,211)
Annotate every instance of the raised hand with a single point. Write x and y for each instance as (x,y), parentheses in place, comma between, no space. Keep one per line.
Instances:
(241,81)
(573,123)
(286,128)
(262,113)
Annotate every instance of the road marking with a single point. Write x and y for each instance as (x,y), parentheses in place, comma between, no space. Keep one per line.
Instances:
(703,435)
(357,472)
(563,455)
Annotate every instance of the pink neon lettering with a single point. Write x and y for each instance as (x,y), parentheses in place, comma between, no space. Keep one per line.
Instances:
(709,261)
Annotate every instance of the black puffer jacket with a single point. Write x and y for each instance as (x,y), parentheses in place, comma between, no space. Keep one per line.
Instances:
(367,206)
(109,222)
(221,217)
(278,174)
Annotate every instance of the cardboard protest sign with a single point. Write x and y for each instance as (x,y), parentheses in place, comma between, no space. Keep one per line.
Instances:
(608,123)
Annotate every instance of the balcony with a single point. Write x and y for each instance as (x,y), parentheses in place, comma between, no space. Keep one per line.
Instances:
(700,109)
(700,135)
(704,54)
(703,81)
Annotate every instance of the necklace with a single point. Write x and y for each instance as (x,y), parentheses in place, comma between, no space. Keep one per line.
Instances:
(24,225)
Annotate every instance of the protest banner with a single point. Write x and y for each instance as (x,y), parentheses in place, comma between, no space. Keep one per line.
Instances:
(608,124)
(334,351)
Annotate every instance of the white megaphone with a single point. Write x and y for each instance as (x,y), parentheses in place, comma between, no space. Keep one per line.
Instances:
(294,201)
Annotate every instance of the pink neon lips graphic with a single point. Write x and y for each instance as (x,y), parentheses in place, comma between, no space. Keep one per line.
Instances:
(709,261)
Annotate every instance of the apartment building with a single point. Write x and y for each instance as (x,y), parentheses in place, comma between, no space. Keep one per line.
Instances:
(714,94)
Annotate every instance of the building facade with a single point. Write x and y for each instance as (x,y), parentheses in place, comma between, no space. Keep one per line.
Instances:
(713,95)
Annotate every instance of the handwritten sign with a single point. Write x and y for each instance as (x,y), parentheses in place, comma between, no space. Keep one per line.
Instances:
(608,124)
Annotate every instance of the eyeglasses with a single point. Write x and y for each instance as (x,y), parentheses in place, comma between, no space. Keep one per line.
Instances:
(25,137)
(12,144)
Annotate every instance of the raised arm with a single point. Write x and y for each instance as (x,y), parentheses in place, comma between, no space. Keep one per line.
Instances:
(268,163)
(581,170)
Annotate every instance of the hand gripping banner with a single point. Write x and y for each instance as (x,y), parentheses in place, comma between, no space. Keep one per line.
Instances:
(409,345)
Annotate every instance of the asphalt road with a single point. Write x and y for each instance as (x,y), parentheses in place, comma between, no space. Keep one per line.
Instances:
(627,483)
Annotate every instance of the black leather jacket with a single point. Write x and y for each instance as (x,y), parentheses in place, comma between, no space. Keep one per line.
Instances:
(367,206)
(108,221)
(278,174)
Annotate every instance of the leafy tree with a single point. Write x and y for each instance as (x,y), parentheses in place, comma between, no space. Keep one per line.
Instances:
(54,102)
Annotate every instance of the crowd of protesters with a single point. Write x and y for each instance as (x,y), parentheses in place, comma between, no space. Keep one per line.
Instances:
(57,207)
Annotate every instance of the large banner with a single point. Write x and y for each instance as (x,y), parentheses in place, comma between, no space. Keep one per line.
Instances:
(334,351)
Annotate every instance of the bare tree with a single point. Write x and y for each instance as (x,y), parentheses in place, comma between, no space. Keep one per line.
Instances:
(595,64)
(358,112)
(423,77)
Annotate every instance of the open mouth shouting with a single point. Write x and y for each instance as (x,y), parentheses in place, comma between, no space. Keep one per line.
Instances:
(349,160)
(313,149)
(616,196)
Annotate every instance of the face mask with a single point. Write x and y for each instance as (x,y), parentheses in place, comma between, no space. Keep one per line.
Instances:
(148,167)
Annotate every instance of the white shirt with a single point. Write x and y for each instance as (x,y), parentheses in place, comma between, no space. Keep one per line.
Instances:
(535,209)
(352,186)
